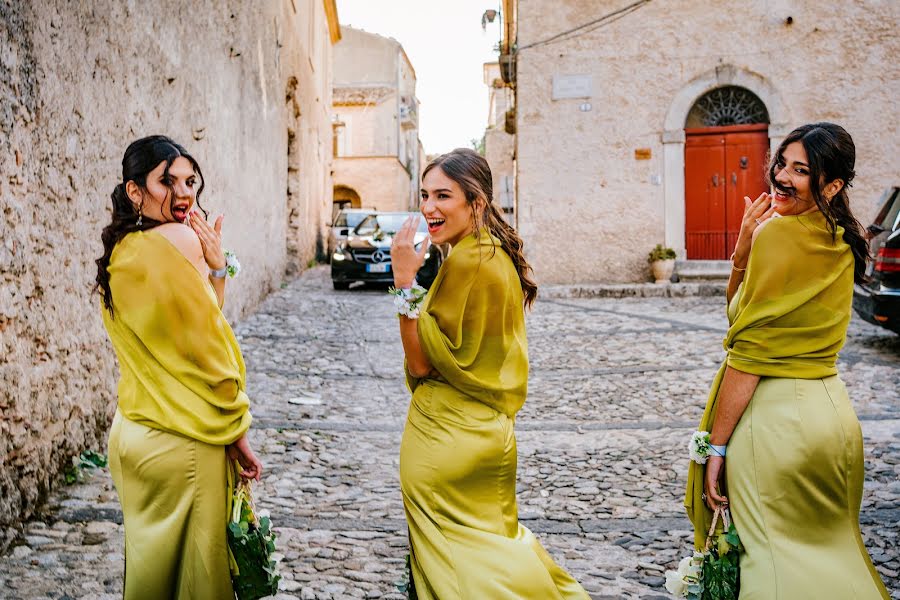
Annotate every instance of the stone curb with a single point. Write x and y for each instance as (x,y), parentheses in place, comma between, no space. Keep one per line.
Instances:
(634,290)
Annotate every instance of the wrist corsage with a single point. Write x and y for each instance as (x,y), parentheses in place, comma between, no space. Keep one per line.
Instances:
(408,301)
(232,265)
(700,449)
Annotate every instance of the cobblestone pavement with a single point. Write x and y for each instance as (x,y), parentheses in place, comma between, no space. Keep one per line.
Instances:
(616,387)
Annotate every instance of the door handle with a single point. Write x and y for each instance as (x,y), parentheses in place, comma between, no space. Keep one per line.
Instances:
(733,178)
(715,180)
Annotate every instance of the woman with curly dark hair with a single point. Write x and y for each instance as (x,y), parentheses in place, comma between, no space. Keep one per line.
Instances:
(794,477)
(182,409)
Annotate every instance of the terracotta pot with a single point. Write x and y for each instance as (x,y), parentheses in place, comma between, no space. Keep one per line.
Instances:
(662,270)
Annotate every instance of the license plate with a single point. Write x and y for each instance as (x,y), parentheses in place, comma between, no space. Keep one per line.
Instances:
(379,268)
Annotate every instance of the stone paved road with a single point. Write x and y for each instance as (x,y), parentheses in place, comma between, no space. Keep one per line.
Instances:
(616,387)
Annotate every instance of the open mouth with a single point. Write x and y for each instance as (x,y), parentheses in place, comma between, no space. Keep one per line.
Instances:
(783,194)
(434,224)
(180,212)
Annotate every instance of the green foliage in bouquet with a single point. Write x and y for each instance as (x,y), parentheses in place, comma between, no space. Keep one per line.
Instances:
(252,543)
(713,574)
(406,585)
(721,569)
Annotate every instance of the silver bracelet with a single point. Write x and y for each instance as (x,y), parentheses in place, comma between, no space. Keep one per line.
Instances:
(718,450)
(219,273)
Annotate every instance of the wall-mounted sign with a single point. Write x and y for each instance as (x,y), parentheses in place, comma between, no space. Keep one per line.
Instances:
(642,154)
(572,86)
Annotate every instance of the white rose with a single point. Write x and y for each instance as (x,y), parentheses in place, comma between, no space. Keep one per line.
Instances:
(675,585)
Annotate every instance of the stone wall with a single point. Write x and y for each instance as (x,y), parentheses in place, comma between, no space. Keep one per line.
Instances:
(78,82)
(579,183)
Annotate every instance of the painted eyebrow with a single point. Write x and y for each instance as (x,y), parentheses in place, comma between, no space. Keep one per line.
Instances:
(424,191)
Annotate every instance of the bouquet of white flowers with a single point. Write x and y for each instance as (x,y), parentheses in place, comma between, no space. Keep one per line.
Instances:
(713,574)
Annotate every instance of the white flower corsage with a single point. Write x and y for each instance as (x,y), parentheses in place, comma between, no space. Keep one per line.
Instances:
(232,265)
(408,301)
(698,447)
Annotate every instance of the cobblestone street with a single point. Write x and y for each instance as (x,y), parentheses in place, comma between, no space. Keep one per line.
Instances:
(616,388)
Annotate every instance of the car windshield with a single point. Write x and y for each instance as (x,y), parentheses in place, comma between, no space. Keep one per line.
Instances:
(349,219)
(387,224)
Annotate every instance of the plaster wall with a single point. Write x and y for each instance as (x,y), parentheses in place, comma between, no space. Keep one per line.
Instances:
(381,181)
(78,82)
(579,183)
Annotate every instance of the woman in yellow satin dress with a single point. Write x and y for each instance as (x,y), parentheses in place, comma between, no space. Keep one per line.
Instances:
(794,457)
(182,408)
(467,366)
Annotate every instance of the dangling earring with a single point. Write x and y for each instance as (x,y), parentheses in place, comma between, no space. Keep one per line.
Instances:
(140,218)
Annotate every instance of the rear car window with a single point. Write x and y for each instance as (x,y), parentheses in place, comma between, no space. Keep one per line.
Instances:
(887,216)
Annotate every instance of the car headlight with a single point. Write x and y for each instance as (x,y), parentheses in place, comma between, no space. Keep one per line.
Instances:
(338,254)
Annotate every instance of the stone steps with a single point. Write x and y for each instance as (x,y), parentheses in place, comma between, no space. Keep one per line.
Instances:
(702,270)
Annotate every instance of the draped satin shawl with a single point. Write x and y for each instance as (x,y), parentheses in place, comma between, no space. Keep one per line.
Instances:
(789,319)
(472,326)
(181,366)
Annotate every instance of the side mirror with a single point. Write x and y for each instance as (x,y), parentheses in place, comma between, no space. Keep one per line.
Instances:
(875,229)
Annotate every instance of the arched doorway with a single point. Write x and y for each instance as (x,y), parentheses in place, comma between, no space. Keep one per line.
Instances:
(344,197)
(725,156)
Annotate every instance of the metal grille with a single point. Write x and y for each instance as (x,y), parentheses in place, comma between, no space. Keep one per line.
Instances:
(728,106)
(372,256)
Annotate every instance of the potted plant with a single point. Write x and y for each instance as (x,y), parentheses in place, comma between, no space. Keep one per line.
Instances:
(662,263)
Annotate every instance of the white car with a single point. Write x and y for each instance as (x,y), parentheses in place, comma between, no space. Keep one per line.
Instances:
(344,224)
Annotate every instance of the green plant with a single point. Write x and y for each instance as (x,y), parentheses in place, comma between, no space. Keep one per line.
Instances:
(83,465)
(660,253)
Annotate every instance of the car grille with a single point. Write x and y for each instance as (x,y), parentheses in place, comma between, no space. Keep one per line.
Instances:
(372,256)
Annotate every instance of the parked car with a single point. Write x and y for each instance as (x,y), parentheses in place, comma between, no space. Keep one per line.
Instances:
(366,253)
(343,225)
(878,300)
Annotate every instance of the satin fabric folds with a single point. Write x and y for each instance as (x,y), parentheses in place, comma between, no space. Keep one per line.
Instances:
(181,399)
(794,467)
(458,454)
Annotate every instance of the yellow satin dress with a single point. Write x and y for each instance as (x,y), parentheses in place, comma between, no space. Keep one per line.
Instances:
(794,474)
(181,400)
(458,453)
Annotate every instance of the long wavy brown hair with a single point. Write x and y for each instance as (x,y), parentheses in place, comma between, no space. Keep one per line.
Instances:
(473,174)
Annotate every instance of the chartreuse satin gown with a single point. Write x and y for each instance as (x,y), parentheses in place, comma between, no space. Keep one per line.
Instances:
(181,400)
(794,468)
(458,453)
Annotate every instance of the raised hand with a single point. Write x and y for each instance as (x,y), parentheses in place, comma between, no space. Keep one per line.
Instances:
(405,259)
(756,212)
(210,239)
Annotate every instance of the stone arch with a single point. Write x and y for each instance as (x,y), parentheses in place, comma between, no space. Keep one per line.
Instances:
(674,136)
(344,194)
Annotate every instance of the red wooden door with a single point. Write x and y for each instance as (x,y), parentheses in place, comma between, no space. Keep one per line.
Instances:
(721,166)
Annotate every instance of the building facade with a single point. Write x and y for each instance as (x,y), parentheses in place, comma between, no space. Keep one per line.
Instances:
(499,144)
(245,90)
(649,123)
(376,123)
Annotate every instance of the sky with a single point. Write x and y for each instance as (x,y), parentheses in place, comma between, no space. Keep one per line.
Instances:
(447,48)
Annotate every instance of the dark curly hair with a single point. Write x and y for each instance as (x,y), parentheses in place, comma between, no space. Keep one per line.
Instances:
(831,155)
(141,157)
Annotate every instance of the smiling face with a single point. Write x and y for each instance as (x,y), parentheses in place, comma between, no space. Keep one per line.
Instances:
(793,194)
(446,210)
(167,197)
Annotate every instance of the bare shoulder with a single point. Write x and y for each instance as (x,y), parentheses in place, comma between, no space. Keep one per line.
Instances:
(184,239)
